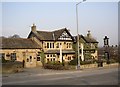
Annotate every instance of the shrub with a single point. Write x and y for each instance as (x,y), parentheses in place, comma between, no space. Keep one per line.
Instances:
(113,61)
(75,62)
(86,62)
(4,61)
(54,65)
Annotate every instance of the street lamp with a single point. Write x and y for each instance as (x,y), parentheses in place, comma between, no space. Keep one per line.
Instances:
(78,67)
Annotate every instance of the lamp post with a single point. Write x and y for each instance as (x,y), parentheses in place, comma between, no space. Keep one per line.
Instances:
(78,67)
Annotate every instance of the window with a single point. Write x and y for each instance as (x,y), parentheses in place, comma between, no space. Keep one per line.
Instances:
(51,59)
(69,58)
(47,60)
(54,59)
(48,55)
(53,45)
(13,56)
(57,45)
(60,43)
(67,45)
(38,58)
(38,54)
(51,55)
(50,45)
(27,60)
(30,58)
(47,45)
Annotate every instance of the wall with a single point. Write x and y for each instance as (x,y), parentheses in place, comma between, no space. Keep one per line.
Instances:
(88,66)
(12,67)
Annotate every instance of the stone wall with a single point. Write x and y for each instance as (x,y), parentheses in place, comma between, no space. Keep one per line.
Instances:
(88,66)
(96,65)
(12,67)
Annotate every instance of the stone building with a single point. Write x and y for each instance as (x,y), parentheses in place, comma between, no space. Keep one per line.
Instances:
(88,47)
(19,49)
(57,45)
(113,53)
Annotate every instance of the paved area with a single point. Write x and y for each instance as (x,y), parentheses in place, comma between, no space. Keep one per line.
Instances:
(98,76)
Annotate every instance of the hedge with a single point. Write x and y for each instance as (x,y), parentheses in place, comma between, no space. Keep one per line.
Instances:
(75,62)
(55,66)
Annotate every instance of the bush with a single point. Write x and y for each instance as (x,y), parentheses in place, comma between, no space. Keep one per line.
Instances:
(75,62)
(54,65)
(113,61)
(86,62)
(4,61)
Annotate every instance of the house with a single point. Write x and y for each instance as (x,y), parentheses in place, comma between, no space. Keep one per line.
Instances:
(20,49)
(88,46)
(57,45)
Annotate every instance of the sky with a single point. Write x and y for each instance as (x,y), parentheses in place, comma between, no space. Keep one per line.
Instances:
(101,18)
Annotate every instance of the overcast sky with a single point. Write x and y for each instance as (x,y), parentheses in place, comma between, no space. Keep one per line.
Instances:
(101,18)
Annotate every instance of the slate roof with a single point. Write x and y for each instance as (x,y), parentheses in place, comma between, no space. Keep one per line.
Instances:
(53,35)
(18,43)
(87,39)
(90,40)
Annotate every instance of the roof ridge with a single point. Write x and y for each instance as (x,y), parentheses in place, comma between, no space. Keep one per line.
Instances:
(59,29)
(52,31)
(18,38)
(44,31)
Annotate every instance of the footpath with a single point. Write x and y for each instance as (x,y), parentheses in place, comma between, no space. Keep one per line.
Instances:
(40,71)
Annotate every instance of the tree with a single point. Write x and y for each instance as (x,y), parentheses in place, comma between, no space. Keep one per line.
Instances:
(14,36)
(42,58)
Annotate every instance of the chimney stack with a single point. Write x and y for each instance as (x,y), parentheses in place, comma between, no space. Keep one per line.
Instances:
(89,34)
(33,28)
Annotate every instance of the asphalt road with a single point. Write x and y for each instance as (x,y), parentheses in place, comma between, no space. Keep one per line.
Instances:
(83,77)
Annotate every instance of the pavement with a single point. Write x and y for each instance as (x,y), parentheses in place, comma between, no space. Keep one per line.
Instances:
(40,71)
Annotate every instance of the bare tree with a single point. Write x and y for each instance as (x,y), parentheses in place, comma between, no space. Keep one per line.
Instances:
(15,36)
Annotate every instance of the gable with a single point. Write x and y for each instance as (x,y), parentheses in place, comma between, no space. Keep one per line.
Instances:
(61,34)
(65,36)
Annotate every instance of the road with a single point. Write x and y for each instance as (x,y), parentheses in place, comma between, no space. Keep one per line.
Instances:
(83,77)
